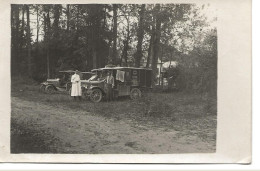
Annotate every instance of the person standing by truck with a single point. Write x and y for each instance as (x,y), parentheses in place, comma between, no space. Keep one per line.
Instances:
(76,86)
(110,83)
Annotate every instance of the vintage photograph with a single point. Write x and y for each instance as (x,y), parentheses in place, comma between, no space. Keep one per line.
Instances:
(114,78)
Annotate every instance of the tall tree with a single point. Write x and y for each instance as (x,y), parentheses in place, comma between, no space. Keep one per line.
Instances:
(21,41)
(150,29)
(126,41)
(140,36)
(95,35)
(57,13)
(22,31)
(56,36)
(37,27)
(150,49)
(115,7)
(68,17)
(29,47)
(15,38)
(156,43)
(47,28)
(36,57)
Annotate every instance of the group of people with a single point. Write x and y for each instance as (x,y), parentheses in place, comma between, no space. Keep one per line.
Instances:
(76,91)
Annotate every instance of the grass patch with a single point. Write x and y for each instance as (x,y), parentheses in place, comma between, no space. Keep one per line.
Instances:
(153,105)
(184,112)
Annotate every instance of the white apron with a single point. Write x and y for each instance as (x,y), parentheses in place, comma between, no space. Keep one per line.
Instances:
(76,85)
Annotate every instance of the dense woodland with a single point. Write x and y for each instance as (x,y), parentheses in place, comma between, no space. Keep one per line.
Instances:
(49,38)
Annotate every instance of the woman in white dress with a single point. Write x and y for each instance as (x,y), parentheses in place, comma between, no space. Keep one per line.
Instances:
(76,86)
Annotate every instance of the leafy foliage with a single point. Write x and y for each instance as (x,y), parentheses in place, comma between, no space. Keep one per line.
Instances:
(76,36)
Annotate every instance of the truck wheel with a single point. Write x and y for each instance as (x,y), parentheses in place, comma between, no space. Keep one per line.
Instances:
(49,89)
(135,94)
(96,95)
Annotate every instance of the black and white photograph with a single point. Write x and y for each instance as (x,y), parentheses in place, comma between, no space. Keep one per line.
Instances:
(113,78)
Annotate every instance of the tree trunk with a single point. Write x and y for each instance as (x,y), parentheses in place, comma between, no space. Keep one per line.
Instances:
(22,42)
(57,8)
(156,46)
(68,17)
(151,45)
(47,38)
(48,43)
(17,49)
(150,50)
(36,59)
(96,27)
(15,38)
(22,29)
(29,48)
(160,73)
(56,36)
(37,27)
(104,17)
(126,44)
(114,33)
(98,32)
(140,36)
(12,39)
(124,53)
(77,18)
(94,46)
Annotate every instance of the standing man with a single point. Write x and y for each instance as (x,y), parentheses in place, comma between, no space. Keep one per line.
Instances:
(76,86)
(110,85)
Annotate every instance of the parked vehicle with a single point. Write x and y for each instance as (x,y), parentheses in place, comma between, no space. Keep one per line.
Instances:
(129,81)
(62,83)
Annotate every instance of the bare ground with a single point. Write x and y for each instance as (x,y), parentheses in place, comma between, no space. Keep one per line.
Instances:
(43,123)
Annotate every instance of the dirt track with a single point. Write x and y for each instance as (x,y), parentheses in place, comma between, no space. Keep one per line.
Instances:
(71,131)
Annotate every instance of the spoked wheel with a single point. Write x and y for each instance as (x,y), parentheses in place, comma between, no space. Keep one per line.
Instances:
(50,89)
(96,95)
(42,88)
(135,93)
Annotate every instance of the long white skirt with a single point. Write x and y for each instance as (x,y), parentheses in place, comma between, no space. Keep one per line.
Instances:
(76,89)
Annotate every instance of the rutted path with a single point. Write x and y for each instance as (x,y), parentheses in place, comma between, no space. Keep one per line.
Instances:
(81,132)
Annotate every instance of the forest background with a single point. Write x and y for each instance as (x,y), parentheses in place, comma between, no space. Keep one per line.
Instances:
(48,38)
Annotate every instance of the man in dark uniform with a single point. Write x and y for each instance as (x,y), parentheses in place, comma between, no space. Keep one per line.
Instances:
(110,83)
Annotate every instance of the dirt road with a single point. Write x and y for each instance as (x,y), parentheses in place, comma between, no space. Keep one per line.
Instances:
(77,131)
